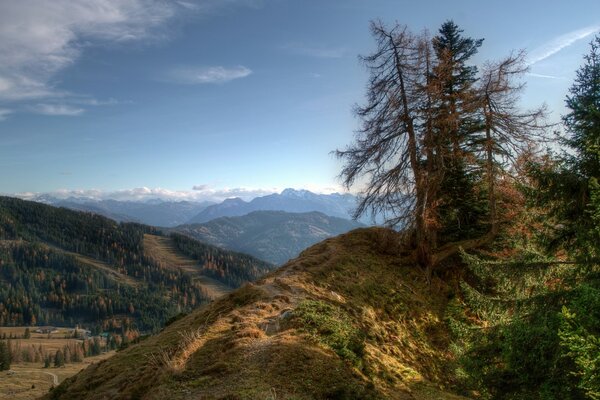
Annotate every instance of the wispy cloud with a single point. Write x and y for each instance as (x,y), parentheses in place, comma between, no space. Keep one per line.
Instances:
(559,43)
(40,38)
(314,51)
(57,110)
(201,75)
(4,113)
(545,76)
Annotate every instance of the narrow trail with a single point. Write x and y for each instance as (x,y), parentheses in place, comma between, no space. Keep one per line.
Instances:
(54,376)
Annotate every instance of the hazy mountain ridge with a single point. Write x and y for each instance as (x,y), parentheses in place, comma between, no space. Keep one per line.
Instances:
(150,212)
(274,236)
(289,200)
(169,214)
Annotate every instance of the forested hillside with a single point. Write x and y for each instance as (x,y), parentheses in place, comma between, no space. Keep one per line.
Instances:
(64,267)
(274,236)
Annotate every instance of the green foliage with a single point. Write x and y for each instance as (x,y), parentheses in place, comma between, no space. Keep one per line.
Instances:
(331,326)
(568,186)
(510,337)
(583,348)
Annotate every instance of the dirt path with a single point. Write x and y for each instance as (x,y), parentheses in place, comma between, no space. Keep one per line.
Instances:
(54,376)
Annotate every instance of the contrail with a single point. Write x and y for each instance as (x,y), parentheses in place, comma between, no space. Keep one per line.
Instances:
(557,44)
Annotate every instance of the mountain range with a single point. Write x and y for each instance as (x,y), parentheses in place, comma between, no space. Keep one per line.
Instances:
(172,213)
(155,213)
(273,236)
(289,200)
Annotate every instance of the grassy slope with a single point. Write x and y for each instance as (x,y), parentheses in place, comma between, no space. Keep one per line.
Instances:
(163,249)
(346,319)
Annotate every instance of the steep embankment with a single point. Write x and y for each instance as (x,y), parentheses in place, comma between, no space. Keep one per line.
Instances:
(346,319)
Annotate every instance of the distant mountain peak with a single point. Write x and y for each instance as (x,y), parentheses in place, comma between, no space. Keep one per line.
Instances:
(294,192)
(234,201)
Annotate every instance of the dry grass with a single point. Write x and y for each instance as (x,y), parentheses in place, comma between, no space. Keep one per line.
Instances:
(28,381)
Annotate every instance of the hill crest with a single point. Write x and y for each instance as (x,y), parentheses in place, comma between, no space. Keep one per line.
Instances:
(346,319)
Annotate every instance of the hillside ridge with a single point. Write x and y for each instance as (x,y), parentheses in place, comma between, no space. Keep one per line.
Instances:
(346,319)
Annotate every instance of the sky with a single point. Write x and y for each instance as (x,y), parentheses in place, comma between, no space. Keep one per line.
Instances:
(219,98)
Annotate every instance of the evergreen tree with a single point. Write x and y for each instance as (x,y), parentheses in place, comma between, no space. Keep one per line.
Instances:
(568,186)
(4,356)
(455,122)
(419,147)
(583,120)
(59,359)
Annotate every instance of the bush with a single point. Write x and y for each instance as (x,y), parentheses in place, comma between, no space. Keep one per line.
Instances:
(331,326)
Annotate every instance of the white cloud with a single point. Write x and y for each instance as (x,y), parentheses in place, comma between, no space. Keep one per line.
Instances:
(144,193)
(314,51)
(4,113)
(201,75)
(559,43)
(40,38)
(57,110)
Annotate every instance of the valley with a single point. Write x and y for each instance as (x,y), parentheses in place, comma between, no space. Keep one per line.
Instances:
(274,236)
(30,378)
(62,267)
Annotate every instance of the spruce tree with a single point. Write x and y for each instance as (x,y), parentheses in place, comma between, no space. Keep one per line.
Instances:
(583,120)
(59,359)
(455,122)
(570,187)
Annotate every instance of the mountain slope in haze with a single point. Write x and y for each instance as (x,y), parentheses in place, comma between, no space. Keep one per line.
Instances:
(155,213)
(59,266)
(273,236)
(289,200)
(348,319)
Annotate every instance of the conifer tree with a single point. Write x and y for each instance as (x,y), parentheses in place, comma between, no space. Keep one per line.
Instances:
(4,356)
(455,122)
(59,359)
(419,151)
(570,186)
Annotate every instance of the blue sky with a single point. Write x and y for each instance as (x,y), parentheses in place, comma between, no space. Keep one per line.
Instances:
(216,98)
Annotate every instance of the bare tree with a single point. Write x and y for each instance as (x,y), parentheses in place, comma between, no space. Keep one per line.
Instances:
(507,131)
(389,145)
